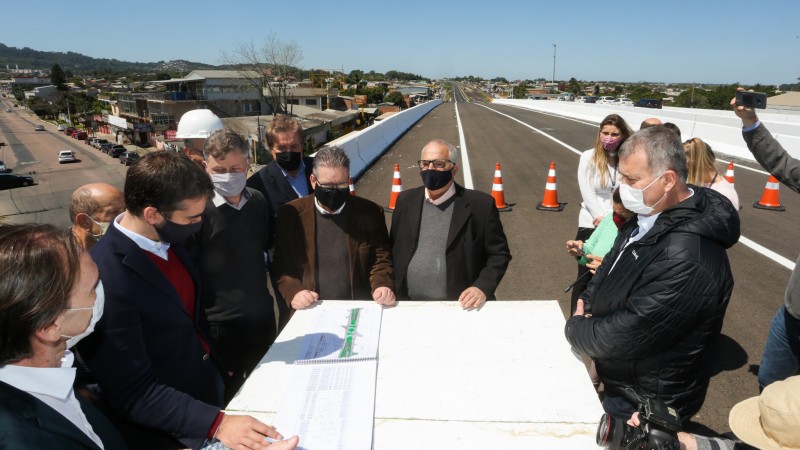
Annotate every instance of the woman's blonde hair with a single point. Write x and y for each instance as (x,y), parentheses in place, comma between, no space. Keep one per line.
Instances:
(699,161)
(600,158)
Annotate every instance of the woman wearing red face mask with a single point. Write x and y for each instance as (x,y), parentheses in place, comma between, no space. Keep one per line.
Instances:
(598,176)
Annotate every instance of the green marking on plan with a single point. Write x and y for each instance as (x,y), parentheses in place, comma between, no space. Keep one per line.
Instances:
(350,334)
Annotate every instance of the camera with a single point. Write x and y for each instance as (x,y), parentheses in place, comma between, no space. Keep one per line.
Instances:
(658,429)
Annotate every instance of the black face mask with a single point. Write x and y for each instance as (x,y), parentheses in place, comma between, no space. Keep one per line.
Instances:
(177,234)
(289,160)
(332,199)
(436,179)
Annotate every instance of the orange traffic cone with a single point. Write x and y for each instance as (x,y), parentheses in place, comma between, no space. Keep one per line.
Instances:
(729,173)
(497,190)
(770,199)
(550,202)
(352,188)
(397,188)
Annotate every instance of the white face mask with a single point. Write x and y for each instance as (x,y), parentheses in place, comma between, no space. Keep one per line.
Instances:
(633,198)
(229,184)
(103,228)
(97,313)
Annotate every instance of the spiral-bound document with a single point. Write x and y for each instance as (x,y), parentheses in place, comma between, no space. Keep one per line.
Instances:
(330,400)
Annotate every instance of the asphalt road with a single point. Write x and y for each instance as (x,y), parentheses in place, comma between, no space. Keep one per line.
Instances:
(36,152)
(541,269)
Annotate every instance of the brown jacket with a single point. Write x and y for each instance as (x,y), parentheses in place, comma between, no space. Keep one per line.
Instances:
(368,247)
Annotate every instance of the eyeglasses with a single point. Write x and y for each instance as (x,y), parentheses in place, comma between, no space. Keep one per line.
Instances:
(332,186)
(437,163)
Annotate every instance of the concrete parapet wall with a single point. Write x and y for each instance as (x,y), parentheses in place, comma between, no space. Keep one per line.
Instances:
(721,129)
(365,146)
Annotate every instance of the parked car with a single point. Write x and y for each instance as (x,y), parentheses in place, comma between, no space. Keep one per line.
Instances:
(68,131)
(590,99)
(75,133)
(117,150)
(128,158)
(623,101)
(98,142)
(605,100)
(8,181)
(3,168)
(66,156)
(38,128)
(649,103)
(90,140)
(105,147)
(8,109)
(61,127)
(80,135)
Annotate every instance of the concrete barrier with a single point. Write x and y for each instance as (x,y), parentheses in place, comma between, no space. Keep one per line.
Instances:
(721,129)
(365,146)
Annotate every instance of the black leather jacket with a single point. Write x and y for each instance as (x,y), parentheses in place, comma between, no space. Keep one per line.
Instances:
(657,313)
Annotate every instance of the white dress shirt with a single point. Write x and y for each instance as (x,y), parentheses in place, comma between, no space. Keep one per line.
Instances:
(157,248)
(53,386)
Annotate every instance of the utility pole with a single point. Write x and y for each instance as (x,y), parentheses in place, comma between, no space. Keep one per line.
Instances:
(554,63)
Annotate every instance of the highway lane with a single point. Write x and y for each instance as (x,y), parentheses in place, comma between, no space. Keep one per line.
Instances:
(37,152)
(540,268)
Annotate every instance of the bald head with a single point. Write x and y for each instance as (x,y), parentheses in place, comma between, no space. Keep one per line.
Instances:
(649,122)
(440,149)
(100,201)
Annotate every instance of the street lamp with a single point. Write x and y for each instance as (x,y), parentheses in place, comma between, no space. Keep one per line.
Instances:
(554,63)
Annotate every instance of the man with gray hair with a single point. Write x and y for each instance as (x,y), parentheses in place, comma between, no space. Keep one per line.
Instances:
(447,241)
(655,306)
(330,245)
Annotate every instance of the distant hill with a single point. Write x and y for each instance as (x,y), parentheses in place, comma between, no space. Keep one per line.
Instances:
(27,58)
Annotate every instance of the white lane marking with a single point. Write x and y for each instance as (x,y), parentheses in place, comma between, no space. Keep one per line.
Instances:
(464,158)
(785,262)
(563,144)
(738,166)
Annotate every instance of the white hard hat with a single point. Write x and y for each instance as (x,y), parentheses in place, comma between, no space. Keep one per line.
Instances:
(198,123)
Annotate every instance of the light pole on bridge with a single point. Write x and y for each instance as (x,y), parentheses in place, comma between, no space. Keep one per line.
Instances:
(554,63)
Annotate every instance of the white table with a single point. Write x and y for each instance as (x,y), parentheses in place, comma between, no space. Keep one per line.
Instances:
(502,377)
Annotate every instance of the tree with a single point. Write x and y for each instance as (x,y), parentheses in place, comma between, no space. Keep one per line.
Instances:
(574,86)
(396,98)
(268,68)
(521,91)
(355,77)
(58,78)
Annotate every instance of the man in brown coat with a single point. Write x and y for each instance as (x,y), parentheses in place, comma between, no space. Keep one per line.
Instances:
(330,245)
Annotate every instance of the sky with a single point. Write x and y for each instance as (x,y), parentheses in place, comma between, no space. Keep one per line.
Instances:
(668,41)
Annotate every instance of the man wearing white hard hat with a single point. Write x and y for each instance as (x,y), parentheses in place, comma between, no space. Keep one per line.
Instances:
(194,128)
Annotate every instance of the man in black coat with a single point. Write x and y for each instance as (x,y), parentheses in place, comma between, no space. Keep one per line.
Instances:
(150,355)
(447,241)
(656,305)
(287,177)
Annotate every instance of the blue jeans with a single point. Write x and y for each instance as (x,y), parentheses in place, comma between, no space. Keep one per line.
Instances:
(781,358)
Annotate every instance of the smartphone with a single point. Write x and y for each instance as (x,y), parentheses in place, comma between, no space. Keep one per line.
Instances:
(751,99)
(580,250)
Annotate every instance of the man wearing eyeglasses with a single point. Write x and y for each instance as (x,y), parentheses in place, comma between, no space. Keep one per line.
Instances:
(448,241)
(332,246)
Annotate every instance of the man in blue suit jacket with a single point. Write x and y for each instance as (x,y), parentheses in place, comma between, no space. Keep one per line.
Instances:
(150,356)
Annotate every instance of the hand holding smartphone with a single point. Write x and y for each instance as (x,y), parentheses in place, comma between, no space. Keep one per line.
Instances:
(751,99)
